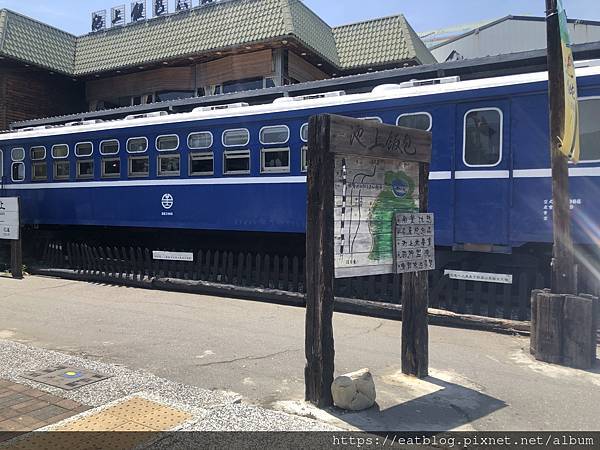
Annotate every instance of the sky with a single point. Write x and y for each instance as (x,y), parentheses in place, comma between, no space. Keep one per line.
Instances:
(424,15)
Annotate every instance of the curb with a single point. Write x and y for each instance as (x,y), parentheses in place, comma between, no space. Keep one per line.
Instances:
(342,305)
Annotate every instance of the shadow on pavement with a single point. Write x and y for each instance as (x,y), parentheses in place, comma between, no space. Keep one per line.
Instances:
(447,407)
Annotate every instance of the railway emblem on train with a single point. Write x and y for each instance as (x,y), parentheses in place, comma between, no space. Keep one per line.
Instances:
(167,201)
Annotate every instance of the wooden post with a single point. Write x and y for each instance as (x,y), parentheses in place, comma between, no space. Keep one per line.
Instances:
(563,272)
(549,328)
(578,320)
(415,302)
(16,250)
(319,348)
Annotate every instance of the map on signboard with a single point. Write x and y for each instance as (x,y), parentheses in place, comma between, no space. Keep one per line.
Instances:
(368,194)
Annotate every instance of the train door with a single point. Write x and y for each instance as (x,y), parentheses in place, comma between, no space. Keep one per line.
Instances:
(482,175)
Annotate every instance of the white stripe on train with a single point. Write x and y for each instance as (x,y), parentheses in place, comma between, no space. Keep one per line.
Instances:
(434,176)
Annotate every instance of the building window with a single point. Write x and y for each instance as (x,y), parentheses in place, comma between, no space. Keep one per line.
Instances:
(202,164)
(173,95)
(18,171)
(17,154)
(137,145)
(60,151)
(236,162)
(168,165)
(85,169)
(62,170)
(589,129)
(37,153)
(39,171)
(110,147)
(243,85)
(279,134)
(84,149)
(166,143)
(236,138)
(482,143)
(275,160)
(139,166)
(304,132)
(111,168)
(304,158)
(420,121)
(200,141)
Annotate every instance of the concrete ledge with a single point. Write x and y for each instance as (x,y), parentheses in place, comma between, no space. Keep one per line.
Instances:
(343,305)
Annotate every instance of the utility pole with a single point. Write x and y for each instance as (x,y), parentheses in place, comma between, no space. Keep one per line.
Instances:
(563,268)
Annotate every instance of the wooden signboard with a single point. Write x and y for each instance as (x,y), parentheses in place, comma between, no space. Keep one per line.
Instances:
(360,174)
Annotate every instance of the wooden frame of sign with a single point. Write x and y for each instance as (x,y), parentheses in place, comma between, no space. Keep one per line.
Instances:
(346,205)
(10,229)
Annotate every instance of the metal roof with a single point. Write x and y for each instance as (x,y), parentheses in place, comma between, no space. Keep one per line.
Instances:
(213,27)
(442,37)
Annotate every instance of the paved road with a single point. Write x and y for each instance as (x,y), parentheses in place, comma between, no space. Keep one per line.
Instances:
(479,380)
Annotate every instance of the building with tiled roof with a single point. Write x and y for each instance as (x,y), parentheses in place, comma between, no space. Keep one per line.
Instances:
(222,46)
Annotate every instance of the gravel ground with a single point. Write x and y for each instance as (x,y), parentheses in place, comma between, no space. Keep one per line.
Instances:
(212,410)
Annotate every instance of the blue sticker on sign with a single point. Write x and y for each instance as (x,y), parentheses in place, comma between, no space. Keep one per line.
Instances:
(400,188)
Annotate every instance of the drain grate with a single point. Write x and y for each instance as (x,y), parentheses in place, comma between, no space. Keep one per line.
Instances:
(65,377)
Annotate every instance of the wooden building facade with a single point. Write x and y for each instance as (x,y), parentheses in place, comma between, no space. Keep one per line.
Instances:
(217,48)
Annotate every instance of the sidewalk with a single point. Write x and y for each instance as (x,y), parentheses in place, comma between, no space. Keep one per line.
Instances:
(209,347)
(128,401)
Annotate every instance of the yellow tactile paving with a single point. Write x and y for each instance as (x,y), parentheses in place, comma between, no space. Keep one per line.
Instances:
(136,420)
(150,415)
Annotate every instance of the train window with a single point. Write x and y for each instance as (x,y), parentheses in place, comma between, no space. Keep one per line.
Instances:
(85,169)
(275,160)
(39,171)
(200,141)
(236,138)
(482,141)
(139,166)
(18,171)
(168,165)
(109,147)
(62,170)
(589,130)
(37,153)
(304,158)
(111,168)
(137,145)
(372,119)
(202,164)
(304,132)
(236,162)
(420,121)
(17,154)
(278,134)
(60,151)
(1,165)
(84,149)
(166,143)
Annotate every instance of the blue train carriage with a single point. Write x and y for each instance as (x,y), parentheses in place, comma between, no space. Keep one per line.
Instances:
(243,168)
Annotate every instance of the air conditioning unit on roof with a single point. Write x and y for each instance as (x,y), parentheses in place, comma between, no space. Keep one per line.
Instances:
(146,115)
(309,97)
(219,107)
